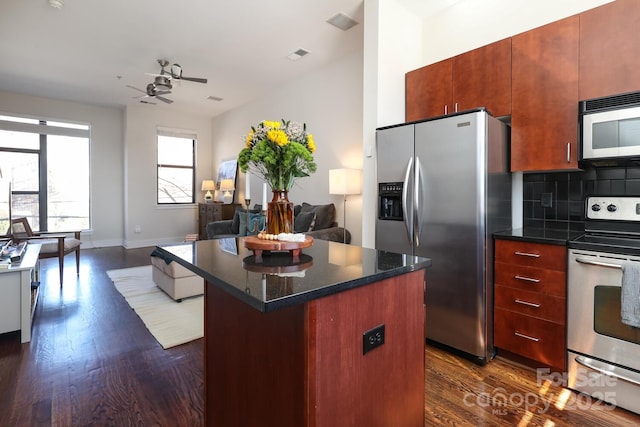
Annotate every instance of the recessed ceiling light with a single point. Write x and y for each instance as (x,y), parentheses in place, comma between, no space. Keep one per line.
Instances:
(342,21)
(298,54)
(215,98)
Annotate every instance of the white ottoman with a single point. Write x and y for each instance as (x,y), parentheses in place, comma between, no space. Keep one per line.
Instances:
(175,280)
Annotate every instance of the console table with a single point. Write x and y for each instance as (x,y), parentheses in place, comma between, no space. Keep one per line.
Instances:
(18,301)
(332,337)
(210,212)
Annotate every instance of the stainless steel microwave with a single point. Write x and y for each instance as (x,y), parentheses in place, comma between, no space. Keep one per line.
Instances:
(610,130)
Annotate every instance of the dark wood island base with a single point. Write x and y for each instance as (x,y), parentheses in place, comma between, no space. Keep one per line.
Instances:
(303,365)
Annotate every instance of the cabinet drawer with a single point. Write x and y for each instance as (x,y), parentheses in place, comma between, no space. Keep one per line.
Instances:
(530,303)
(530,337)
(553,257)
(550,282)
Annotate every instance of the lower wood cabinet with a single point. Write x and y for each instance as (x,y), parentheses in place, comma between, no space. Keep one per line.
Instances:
(530,301)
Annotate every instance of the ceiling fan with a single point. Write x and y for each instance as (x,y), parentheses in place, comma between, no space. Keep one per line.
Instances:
(175,72)
(162,82)
(153,92)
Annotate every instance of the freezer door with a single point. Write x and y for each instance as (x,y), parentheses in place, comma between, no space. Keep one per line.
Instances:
(395,164)
(450,161)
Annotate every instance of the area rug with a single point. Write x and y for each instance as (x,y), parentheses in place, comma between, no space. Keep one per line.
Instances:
(171,323)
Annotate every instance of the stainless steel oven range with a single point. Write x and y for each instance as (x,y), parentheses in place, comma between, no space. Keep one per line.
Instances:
(603,355)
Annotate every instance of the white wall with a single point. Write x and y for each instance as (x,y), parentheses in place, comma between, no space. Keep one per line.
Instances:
(470,24)
(329,101)
(106,158)
(158,224)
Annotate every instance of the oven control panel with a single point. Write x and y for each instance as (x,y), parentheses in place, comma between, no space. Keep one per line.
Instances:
(613,208)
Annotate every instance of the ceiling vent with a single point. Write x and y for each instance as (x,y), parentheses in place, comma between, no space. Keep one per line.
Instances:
(298,54)
(342,21)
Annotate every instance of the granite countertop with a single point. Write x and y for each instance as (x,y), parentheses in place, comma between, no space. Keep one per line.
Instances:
(276,281)
(539,235)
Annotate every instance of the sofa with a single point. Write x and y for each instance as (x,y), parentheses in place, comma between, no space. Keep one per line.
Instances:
(317,221)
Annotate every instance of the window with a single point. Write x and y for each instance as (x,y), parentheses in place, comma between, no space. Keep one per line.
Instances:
(176,167)
(47,163)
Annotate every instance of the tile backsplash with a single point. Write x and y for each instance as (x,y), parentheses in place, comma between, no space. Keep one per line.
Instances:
(567,191)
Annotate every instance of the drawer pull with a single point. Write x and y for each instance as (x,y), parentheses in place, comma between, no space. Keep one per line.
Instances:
(527,254)
(530,304)
(518,334)
(527,279)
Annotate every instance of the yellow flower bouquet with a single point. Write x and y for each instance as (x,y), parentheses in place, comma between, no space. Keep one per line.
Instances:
(279,152)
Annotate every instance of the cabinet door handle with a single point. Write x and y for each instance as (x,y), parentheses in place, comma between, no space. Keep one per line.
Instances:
(568,152)
(527,254)
(518,334)
(446,109)
(530,304)
(526,279)
(456,107)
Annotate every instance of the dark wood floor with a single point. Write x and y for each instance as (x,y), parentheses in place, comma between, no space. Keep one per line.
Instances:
(91,361)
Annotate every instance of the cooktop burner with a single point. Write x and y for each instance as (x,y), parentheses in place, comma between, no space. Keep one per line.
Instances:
(603,243)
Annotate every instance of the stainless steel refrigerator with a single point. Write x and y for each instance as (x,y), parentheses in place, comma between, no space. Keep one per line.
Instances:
(443,188)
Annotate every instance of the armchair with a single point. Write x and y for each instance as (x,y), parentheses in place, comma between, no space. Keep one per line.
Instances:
(53,244)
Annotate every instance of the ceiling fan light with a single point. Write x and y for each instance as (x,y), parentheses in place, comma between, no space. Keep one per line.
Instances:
(56,4)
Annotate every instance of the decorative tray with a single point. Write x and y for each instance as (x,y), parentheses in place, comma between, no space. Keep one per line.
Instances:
(259,245)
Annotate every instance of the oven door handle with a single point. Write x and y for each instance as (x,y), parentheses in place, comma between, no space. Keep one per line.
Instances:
(598,263)
(602,368)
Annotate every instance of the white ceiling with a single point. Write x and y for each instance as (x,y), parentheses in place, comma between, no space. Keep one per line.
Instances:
(90,50)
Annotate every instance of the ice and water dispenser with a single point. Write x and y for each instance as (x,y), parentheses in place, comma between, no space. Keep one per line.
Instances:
(390,201)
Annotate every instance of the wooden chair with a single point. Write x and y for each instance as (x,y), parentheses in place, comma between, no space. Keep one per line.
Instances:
(53,244)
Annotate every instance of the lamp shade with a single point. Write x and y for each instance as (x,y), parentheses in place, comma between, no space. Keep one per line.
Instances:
(208,185)
(227,185)
(345,181)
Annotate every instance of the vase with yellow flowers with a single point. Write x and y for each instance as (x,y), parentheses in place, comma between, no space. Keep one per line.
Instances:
(279,152)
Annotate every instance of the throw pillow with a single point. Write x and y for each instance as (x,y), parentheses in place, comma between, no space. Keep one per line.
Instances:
(304,222)
(250,223)
(325,214)
(235,221)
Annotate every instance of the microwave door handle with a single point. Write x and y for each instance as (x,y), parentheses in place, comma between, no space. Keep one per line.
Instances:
(408,223)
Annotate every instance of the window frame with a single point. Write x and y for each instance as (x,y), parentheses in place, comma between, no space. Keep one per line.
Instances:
(183,134)
(43,127)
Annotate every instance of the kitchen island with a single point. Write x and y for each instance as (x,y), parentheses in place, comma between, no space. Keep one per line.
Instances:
(334,336)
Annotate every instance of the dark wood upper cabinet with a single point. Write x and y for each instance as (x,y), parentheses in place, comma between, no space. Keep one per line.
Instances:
(478,78)
(482,78)
(544,122)
(428,91)
(609,49)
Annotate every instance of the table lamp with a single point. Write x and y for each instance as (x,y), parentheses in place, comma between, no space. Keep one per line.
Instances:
(208,185)
(345,182)
(227,186)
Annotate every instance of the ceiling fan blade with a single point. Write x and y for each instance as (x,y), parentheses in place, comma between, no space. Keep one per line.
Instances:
(142,101)
(135,88)
(163,99)
(194,79)
(162,92)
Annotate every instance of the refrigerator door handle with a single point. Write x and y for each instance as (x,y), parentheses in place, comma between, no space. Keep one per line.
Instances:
(408,223)
(417,214)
